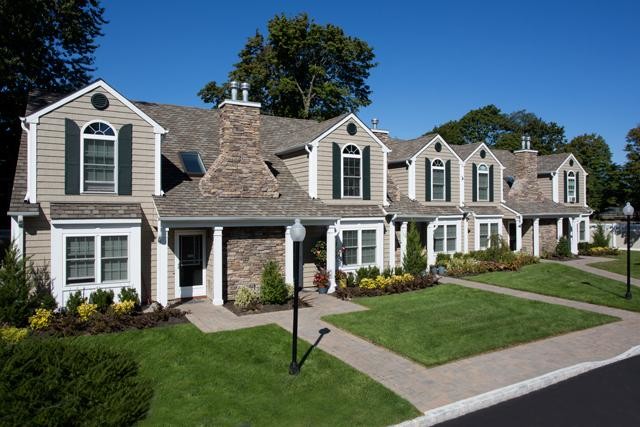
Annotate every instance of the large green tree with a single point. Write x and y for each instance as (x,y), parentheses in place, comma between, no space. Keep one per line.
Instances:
(594,154)
(301,69)
(631,169)
(44,44)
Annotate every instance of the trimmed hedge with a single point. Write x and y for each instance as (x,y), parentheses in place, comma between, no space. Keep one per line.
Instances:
(51,382)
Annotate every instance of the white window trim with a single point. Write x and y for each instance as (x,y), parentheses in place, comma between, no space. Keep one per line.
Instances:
(115,156)
(571,176)
(447,250)
(352,156)
(97,260)
(444,184)
(478,172)
(498,222)
(379,229)
(190,291)
(97,229)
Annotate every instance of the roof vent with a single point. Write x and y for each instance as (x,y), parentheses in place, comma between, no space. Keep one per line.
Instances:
(526,142)
(99,101)
(245,91)
(374,123)
(234,90)
(510,180)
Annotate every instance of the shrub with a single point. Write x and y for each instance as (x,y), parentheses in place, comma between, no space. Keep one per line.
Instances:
(41,319)
(386,286)
(23,288)
(123,307)
(584,248)
(273,289)
(415,260)
(129,294)
(321,278)
(248,298)
(341,279)
(75,300)
(441,258)
(102,299)
(601,251)
(12,335)
(600,239)
(51,382)
(367,273)
(86,310)
(467,266)
(563,248)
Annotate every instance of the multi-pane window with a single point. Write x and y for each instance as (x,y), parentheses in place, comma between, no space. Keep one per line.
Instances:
(437,180)
(483,183)
(583,231)
(486,231)
(99,158)
(571,187)
(351,171)
(444,238)
(96,259)
(359,247)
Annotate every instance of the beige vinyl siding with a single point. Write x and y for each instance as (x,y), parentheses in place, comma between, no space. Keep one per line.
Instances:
(545,183)
(50,177)
(298,165)
(583,181)
(444,155)
(342,138)
(400,176)
(468,179)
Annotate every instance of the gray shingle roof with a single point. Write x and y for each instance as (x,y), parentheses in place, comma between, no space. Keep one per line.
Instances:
(463,151)
(405,149)
(484,210)
(551,162)
(544,207)
(95,210)
(404,207)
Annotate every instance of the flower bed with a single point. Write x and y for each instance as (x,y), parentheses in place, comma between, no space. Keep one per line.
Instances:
(589,249)
(468,266)
(385,285)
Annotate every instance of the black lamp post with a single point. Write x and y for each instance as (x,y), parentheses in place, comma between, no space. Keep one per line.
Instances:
(628,212)
(297,235)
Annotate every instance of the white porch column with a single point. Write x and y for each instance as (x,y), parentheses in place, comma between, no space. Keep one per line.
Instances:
(331,257)
(392,244)
(431,256)
(519,221)
(559,228)
(17,234)
(403,241)
(575,234)
(288,256)
(217,266)
(536,237)
(162,264)
(465,232)
(587,228)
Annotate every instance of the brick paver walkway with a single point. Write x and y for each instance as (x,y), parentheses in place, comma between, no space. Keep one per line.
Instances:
(429,388)
(583,262)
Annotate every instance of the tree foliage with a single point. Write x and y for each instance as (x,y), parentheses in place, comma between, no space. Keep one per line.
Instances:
(631,170)
(501,130)
(415,260)
(302,69)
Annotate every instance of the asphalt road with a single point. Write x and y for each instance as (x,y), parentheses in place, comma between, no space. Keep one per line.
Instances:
(608,396)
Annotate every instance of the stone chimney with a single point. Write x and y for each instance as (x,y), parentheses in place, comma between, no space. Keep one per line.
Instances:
(526,172)
(239,171)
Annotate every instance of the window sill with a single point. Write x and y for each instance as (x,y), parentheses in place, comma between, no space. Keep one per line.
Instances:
(112,284)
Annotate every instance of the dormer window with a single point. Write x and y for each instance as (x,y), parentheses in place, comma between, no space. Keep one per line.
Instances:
(437,180)
(99,164)
(192,163)
(351,171)
(571,187)
(483,183)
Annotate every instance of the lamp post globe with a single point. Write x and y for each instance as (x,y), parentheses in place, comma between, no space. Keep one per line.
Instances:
(298,231)
(297,235)
(628,212)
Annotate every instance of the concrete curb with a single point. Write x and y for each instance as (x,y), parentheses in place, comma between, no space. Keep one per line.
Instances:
(485,400)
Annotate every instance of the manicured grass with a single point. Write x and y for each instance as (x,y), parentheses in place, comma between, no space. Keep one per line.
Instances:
(565,282)
(619,264)
(449,322)
(241,378)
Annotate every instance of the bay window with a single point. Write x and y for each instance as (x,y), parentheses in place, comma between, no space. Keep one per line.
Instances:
(96,259)
(486,231)
(445,238)
(359,247)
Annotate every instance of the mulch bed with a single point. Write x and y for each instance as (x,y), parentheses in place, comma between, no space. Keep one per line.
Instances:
(264,308)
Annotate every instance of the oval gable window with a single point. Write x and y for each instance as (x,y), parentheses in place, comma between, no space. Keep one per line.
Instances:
(99,101)
(483,154)
(571,162)
(352,129)
(438,147)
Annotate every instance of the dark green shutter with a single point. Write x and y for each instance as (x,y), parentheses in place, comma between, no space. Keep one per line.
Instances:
(491,183)
(71,157)
(366,173)
(125,136)
(474,183)
(565,187)
(447,177)
(336,171)
(427,180)
(577,187)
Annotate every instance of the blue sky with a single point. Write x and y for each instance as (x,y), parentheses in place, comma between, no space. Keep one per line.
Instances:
(575,63)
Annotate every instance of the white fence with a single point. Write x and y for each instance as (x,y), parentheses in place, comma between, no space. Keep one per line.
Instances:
(618,234)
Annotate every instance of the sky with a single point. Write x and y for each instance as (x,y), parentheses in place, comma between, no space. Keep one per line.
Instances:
(574,63)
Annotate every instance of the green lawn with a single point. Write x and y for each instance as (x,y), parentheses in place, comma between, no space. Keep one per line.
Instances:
(240,378)
(619,264)
(448,322)
(565,282)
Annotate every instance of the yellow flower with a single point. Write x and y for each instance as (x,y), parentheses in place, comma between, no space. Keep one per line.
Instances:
(40,319)
(86,310)
(124,307)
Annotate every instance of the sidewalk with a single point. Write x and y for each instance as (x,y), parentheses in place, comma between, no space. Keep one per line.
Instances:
(583,264)
(429,388)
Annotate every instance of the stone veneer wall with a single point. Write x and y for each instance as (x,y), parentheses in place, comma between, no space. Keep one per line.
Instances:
(246,250)
(548,235)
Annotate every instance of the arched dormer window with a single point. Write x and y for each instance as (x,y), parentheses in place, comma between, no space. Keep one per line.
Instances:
(351,171)
(571,187)
(99,158)
(438,180)
(483,183)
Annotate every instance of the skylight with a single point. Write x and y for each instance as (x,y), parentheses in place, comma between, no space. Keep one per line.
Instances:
(192,162)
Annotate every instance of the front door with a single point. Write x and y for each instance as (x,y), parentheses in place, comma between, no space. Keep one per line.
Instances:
(190,264)
(512,236)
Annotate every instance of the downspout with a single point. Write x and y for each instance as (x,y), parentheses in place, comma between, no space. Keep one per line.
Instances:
(27,129)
